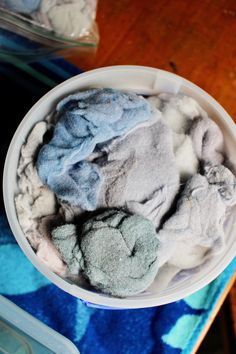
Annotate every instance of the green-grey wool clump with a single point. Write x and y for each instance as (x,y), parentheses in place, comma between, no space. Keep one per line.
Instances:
(116,251)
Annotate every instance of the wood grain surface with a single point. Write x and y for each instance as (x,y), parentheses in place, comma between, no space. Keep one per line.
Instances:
(195,39)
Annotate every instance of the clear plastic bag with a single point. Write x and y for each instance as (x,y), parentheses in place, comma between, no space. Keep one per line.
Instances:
(48,26)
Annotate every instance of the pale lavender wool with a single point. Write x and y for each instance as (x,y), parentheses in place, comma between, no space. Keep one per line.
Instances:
(208,140)
(188,239)
(196,230)
(139,172)
(35,202)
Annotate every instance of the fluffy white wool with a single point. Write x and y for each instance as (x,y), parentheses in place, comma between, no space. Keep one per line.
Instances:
(69,18)
(178,112)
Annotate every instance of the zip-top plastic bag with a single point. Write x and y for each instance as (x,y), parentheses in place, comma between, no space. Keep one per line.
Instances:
(53,24)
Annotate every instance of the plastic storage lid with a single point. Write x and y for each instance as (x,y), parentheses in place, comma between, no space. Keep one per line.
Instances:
(21,333)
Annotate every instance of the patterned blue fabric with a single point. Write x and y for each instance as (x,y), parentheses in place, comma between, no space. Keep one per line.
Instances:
(172,328)
(168,329)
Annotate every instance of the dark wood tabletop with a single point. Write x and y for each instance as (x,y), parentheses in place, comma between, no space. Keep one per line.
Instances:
(195,39)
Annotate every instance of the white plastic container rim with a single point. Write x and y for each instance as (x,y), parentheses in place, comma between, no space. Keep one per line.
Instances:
(142,80)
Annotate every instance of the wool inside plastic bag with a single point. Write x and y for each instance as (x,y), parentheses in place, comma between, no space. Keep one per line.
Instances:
(72,20)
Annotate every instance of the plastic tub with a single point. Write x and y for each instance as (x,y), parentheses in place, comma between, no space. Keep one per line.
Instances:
(141,80)
(21,333)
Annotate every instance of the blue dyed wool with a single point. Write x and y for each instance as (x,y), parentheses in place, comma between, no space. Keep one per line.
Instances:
(22,6)
(84,120)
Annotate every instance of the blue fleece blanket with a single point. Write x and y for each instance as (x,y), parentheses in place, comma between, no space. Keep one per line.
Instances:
(168,329)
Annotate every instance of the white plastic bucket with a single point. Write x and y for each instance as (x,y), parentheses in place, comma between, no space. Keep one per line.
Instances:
(141,80)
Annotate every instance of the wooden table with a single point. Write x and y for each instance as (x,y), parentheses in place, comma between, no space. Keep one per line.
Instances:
(195,39)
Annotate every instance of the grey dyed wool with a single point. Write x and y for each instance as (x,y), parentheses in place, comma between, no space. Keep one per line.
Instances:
(224,180)
(66,241)
(116,251)
(140,172)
